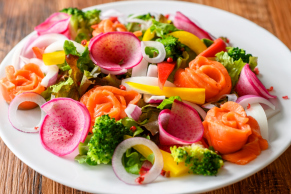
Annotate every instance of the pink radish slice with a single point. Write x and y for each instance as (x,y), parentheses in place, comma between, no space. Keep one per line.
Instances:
(115,50)
(65,126)
(120,72)
(56,23)
(200,110)
(248,83)
(12,111)
(184,23)
(180,125)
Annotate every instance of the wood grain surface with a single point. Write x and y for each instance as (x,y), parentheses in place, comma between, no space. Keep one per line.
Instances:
(19,17)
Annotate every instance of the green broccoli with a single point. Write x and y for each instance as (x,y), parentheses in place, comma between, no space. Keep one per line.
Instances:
(237,53)
(173,47)
(107,134)
(81,22)
(200,160)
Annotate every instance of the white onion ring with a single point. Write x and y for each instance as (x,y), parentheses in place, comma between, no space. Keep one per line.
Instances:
(59,46)
(258,113)
(121,173)
(159,46)
(251,99)
(24,97)
(208,105)
(152,71)
(140,69)
(51,77)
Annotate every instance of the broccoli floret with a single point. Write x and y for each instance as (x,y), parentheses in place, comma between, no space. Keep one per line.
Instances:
(172,46)
(200,160)
(107,134)
(81,22)
(237,53)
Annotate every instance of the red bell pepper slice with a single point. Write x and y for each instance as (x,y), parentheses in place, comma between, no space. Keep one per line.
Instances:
(164,70)
(217,46)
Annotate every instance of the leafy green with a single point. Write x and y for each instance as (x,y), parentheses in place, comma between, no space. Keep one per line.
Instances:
(173,47)
(200,160)
(132,161)
(167,103)
(151,52)
(181,63)
(149,118)
(57,87)
(162,28)
(81,22)
(133,26)
(234,60)
(129,122)
(64,66)
(207,42)
(107,134)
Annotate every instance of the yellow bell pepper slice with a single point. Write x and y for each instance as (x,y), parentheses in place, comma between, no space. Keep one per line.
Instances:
(190,40)
(148,35)
(169,163)
(54,58)
(195,95)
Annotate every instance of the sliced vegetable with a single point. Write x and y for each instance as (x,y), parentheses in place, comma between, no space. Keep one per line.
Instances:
(140,69)
(152,81)
(252,99)
(12,111)
(157,45)
(200,110)
(217,46)
(133,111)
(59,46)
(180,125)
(36,61)
(152,71)
(56,23)
(115,50)
(258,113)
(51,77)
(164,70)
(195,95)
(148,35)
(154,99)
(130,178)
(190,40)
(248,83)
(120,72)
(65,126)
(184,23)
(38,52)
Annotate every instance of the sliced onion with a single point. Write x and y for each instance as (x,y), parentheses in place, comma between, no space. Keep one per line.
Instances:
(120,72)
(12,111)
(59,46)
(41,42)
(271,112)
(152,81)
(113,13)
(258,113)
(121,173)
(36,61)
(140,69)
(248,83)
(56,23)
(200,110)
(152,71)
(153,99)
(208,105)
(51,77)
(133,111)
(157,45)
(252,99)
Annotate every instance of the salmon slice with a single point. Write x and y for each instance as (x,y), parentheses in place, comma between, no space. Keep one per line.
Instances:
(26,79)
(204,73)
(253,147)
(109,100)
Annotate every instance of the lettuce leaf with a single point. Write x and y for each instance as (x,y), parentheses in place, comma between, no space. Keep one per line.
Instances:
(167,103)
(162,28)
(132,161)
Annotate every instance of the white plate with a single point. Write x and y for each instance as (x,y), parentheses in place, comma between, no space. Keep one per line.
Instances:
(275,69)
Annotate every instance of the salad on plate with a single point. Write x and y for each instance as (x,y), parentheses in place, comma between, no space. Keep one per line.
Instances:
(150,94)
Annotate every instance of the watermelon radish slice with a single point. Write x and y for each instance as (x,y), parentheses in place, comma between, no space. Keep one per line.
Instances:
(180,125)
(66,125)
(115,51)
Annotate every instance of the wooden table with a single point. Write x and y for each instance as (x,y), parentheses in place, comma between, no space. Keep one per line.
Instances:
(19,17)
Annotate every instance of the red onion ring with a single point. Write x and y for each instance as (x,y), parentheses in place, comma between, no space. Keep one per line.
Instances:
(51,77)
(121,173)
(252,99)
(133,111)
(12,111)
